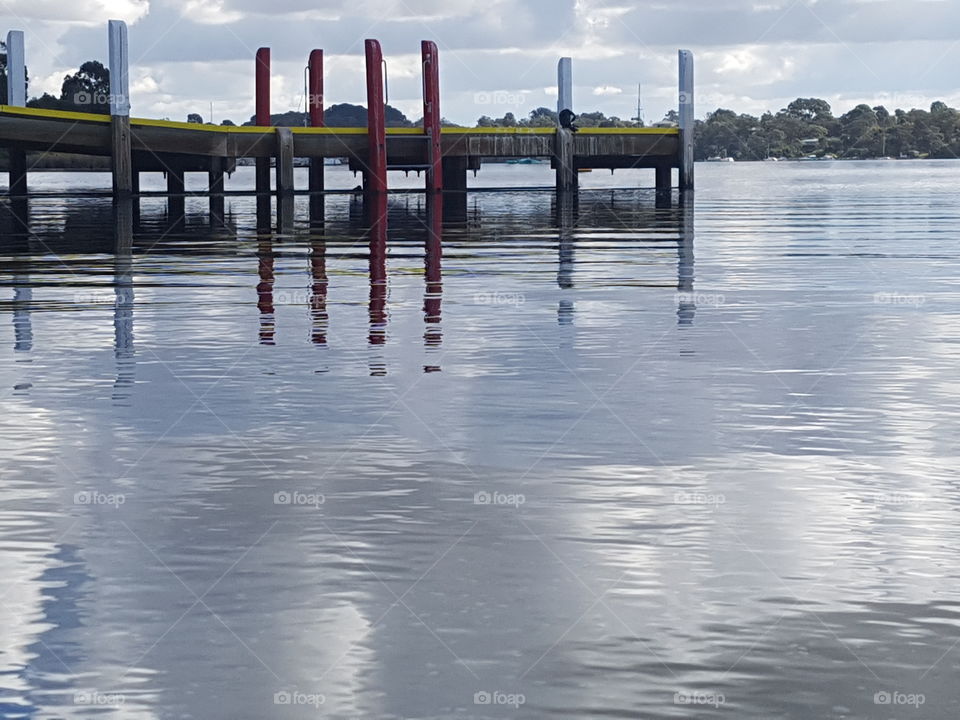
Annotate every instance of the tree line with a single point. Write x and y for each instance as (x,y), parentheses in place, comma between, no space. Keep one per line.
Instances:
(807,127)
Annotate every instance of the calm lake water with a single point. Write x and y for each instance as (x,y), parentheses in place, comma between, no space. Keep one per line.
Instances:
(610,461)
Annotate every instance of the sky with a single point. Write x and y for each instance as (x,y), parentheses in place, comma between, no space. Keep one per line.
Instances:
(499,56)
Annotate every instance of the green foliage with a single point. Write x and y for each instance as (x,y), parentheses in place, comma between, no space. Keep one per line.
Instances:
(545,117)
(807,127)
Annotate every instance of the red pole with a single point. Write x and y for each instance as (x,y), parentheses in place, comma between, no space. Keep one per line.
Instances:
(431,113)
(315,108)
(262,80)
(315,89)
(263,86)
(376,122)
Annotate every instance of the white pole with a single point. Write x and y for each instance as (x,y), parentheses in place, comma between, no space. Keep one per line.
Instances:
(686,120)
(564,85)
(119,69)
(16,70)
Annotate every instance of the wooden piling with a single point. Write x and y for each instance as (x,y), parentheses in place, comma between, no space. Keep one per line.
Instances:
(686,120)
(315,109)
(376,175)
(122,161)
(215,187)
(564,159)
(284,161)
(262,89)
(664,176)
(431,114)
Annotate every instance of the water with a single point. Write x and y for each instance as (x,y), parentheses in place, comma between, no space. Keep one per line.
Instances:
(588,468)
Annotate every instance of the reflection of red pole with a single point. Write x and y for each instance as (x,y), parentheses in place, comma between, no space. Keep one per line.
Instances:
(376,122)
(431,113)
(262,80)
(378,271)
(318,292)
(265,292)
(433,335)
(315,89)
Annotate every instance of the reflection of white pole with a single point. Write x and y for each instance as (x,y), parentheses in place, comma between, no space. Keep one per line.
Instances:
(16,70)
(686,120)
(564,85)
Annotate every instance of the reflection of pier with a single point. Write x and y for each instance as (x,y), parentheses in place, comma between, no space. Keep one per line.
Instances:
(325,235)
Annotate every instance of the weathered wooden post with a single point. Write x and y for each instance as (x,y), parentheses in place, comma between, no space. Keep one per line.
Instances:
(563,149)
(375,177)
(315,109)
(284,161)
(686,120)
(17,96)
(120,108)
(262,82)
(431,114)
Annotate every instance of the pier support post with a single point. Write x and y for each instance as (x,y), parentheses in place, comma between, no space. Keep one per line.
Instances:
(563,156)
(431,114)
(686,120)
(315,108)
(455,188)
(17,96)
(262,82)
(284,161)
(664,175)
(120,109)
(375,177)
(215,187)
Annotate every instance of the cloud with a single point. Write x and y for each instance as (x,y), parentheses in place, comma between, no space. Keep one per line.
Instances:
(752,55)
(607,90)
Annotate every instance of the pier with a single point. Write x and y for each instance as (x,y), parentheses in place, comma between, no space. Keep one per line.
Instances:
(443,154)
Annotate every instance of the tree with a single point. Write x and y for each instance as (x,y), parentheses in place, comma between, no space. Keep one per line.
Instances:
(228,123)
(195,118)
(88,89)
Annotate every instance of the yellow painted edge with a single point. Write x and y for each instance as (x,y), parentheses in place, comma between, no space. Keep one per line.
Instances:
(629,131)
(53,114)
(144,122)
(497,131)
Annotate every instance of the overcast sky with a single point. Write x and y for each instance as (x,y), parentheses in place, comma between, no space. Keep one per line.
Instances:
(500,55)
